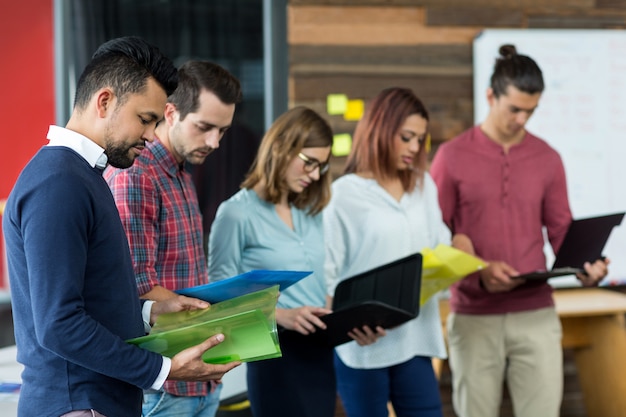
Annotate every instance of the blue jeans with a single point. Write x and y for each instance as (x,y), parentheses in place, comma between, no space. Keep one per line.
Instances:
(162,404)
(410,386)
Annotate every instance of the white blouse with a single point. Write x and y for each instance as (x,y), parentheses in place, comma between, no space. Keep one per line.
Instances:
(366,227)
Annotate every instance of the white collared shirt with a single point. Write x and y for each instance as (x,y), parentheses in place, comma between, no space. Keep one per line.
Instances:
(85,147)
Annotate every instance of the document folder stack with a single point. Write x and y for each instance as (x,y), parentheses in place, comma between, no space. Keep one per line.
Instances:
(248,323)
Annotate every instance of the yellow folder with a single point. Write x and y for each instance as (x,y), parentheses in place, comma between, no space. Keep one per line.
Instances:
(443,266)
(248,323)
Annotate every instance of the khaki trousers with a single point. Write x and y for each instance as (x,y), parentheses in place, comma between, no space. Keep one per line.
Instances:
(522,348)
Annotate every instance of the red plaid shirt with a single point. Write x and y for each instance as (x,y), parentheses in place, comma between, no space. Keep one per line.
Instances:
(159,209)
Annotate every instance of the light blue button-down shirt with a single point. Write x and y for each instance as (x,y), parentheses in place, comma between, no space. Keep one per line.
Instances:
(248,234)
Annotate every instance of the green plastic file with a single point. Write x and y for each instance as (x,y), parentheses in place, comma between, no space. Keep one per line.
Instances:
(247,322)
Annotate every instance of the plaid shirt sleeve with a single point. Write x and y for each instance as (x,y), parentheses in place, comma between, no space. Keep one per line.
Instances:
(138,203)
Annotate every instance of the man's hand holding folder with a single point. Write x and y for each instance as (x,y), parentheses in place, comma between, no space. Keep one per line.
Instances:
(247,326)
(188,365)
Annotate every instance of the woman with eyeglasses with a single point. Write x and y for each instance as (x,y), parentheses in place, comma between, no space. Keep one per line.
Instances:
(274,222)
(384,208)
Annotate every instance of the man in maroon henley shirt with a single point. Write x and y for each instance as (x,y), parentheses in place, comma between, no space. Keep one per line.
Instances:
(500,185)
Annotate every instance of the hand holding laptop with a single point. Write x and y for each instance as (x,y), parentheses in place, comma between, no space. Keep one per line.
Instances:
(594,272)
(581,250)
(499,276)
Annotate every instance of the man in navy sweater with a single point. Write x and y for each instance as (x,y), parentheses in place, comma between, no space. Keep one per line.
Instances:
(73,289)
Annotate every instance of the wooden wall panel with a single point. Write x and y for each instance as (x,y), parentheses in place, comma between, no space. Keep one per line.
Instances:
(385,3)
(449,100)
(606,20)
(449,55)
(474,16)
(448,117)
(359,47)
(318,25)
(367,86)
(349,16)
(611,4)
(513,4)
(425,60)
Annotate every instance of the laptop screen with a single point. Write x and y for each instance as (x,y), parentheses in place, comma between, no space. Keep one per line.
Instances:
(585,240)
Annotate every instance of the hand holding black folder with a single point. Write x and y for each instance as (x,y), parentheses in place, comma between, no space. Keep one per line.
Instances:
(386,296)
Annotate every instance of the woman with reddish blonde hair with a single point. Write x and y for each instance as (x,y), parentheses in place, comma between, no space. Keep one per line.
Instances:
(384,208)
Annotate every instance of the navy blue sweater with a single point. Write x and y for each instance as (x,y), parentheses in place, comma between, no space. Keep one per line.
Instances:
(73,292)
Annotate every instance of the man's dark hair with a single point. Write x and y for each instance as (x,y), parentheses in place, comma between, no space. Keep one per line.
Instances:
(195,76)
(520,71)
(125,64)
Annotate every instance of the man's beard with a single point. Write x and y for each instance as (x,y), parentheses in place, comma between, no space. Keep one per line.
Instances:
(118,153)
(119,156)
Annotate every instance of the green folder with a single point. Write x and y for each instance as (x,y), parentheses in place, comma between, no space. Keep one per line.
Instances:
(248,323)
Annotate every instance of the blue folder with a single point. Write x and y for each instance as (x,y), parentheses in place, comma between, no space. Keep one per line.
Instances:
(251,281)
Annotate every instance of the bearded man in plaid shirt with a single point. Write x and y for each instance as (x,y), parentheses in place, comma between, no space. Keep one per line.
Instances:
(159,209)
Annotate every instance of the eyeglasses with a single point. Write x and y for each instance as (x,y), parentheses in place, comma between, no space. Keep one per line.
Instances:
(311,164)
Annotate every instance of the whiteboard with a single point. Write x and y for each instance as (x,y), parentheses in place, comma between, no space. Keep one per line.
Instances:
(582,114)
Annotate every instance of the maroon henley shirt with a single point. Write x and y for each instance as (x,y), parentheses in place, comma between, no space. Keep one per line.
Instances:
(502,201)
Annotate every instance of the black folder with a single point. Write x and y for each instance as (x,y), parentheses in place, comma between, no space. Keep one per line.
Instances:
(584,242)
(385,296)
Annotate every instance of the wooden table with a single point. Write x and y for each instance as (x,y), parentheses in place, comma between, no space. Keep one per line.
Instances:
(594,328)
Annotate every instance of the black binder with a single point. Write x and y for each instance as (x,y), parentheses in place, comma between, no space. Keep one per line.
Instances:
(584,242)
(385,296)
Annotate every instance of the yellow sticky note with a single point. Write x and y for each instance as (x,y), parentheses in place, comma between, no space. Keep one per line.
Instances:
(336,104)
(342,143)
(354,110)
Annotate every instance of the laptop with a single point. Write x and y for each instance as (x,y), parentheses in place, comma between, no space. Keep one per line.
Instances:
(386,296)
(584,242)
